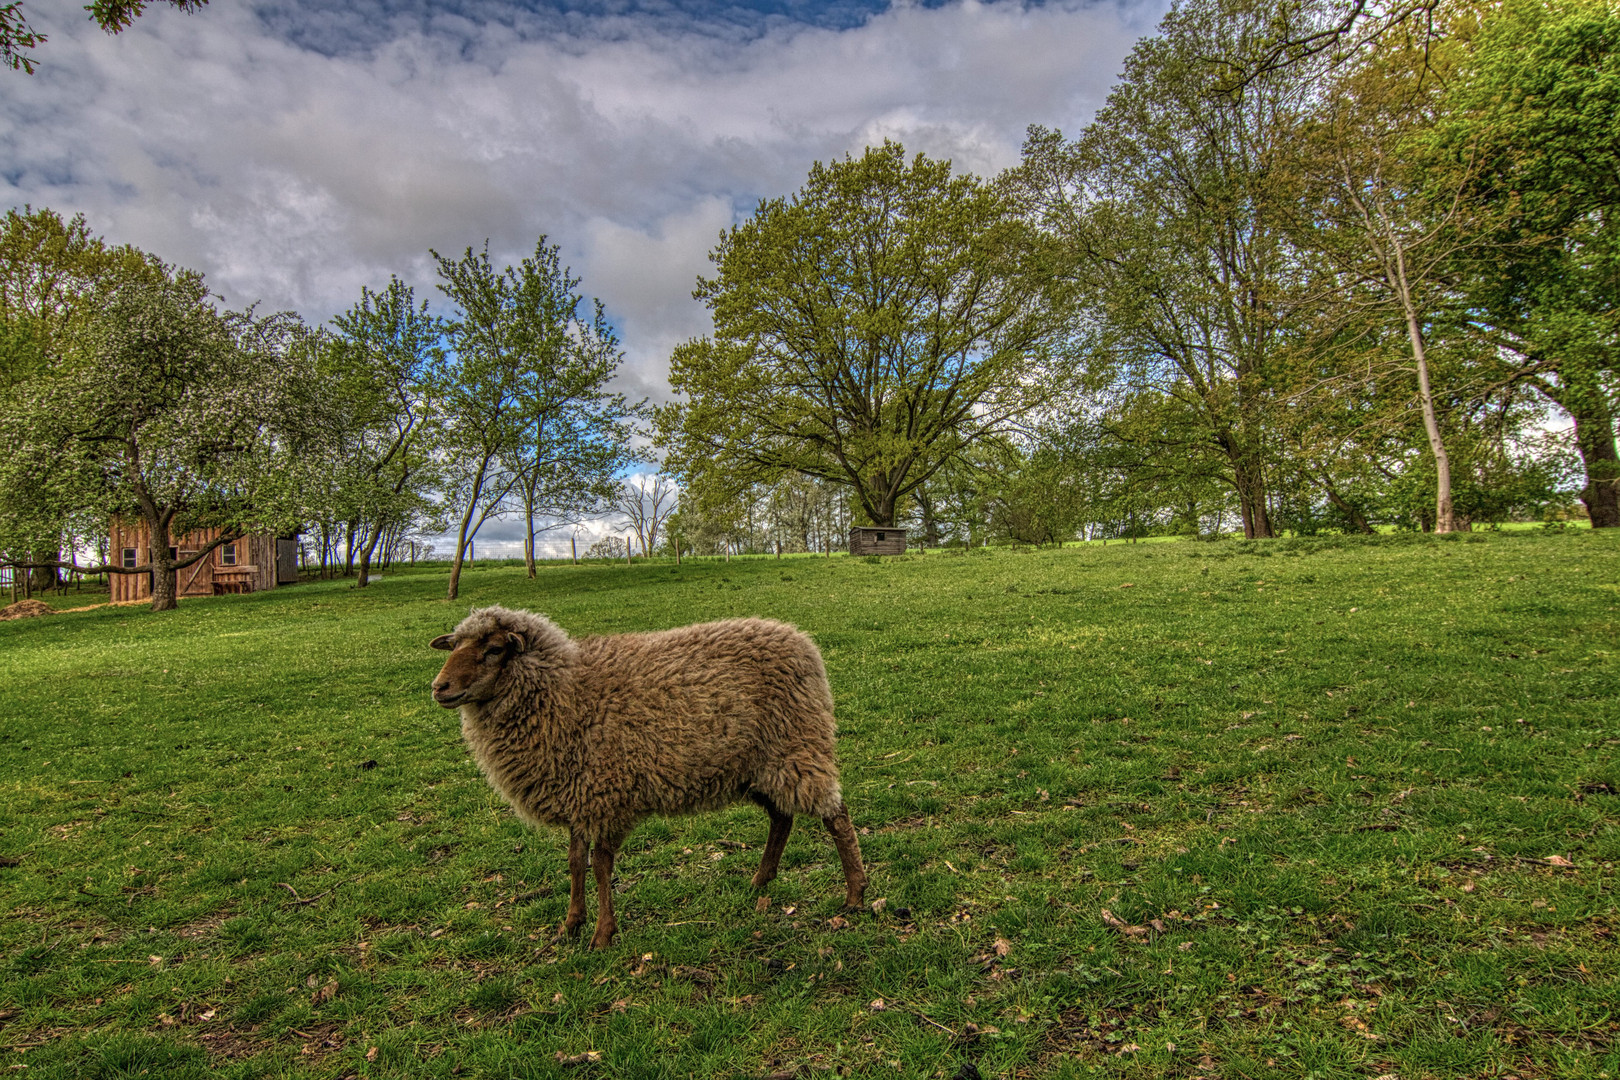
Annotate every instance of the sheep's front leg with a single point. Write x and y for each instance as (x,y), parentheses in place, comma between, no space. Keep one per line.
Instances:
(576,883)
(602,862)
(849,854)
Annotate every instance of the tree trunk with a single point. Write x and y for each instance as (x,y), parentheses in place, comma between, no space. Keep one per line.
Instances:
(1594,436)
(528,532)
(165,584)
(350,547)
(1251,492)
(1444,519)
(1358,520)
(930,524)
(373,536)
(44,578)
(461,550)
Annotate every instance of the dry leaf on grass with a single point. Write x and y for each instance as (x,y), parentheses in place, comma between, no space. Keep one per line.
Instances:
(1558,860)
(1002,946)
(325,993)
(589,1057)
(1114,921)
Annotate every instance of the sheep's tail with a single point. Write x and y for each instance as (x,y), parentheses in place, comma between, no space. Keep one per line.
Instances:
(804,784)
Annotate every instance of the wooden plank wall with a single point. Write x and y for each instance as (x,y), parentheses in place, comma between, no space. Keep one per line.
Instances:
(255,567)
(864,541)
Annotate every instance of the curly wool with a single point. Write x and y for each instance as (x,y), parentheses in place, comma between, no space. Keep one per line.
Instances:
(598,733)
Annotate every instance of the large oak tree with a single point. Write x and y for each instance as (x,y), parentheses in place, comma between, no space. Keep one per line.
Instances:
(867,331)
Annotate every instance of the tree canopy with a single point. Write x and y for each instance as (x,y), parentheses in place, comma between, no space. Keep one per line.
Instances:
(867,331)
(18,39)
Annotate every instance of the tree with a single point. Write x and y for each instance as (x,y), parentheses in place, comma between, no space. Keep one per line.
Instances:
(1393,221)
(526,399)
(574,436)
(866,331)
(387,372)
(1538,103)
(1165,206)
(49,270)
(646,506)
(18,39)
(169,409)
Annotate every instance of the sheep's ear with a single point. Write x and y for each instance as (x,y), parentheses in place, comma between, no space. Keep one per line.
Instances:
(446,642)
(518,642)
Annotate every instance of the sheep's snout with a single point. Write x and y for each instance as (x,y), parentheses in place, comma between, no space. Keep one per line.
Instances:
(445,693)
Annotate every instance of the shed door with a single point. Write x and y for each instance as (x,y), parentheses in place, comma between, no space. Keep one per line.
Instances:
(286,561)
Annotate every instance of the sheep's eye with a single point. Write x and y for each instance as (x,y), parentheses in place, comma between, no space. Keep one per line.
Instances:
(493,650)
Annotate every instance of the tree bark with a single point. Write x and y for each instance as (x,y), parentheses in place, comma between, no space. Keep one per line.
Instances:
(349,546)
(165,584)
(1594,437)
(43,578)
(466,522)
(1251,492)
(373,535)
(1444,520)
(1358,520)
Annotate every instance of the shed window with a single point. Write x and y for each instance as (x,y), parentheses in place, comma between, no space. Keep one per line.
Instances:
(130,555)
(880,536)
(227,555)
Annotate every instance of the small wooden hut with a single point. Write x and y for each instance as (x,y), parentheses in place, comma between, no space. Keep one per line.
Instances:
(873,540)
(257,561)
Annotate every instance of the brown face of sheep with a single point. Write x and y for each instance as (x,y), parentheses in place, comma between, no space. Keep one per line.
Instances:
(470,673)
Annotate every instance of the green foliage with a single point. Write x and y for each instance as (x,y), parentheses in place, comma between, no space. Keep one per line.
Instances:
(1539,104)
(18,39)
(165,408)
(1317,785)
(866,332)
(385,376)
(529,414)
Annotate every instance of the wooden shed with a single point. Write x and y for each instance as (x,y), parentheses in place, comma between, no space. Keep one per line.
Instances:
(255,562)
(872,540)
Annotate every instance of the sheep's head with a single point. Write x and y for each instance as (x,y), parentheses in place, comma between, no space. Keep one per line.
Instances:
(474,667)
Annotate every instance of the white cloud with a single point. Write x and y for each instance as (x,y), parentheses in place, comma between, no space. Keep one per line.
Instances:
(293,177)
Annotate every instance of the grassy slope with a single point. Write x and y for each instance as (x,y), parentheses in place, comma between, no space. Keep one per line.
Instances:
(1331,773)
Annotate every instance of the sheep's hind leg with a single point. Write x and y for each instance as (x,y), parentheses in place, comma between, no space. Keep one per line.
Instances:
(577,862)
(849,854)
(602,862)
(781,825)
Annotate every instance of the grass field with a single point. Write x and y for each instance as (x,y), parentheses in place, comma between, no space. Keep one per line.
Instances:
(1284,809)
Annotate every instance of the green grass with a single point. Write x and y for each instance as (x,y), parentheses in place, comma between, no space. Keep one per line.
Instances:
(1316,785)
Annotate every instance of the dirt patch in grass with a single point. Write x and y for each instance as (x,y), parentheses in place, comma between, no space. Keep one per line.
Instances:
(318,1040)
(1081,1033)
(205,927)
(25,609)
(233,1043)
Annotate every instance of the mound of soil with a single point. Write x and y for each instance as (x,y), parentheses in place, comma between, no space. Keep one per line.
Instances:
(25,609)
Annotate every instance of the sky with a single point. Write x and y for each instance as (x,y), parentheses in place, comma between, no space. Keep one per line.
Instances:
(296,150)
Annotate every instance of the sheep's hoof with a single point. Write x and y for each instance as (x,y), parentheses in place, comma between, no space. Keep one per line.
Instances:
(570,928)
(602,941)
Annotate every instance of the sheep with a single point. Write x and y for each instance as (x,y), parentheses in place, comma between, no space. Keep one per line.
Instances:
(599,733)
